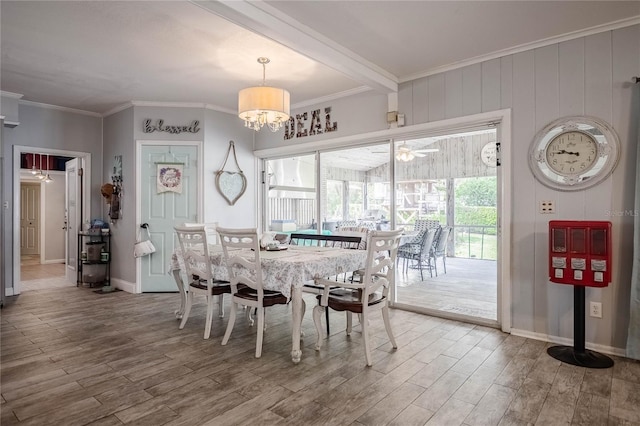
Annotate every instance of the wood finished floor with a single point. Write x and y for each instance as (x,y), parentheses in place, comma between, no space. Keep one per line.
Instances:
(71,356)
(31,269)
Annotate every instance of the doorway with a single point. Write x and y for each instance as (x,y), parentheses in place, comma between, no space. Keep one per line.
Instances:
(44,271)
(449,185)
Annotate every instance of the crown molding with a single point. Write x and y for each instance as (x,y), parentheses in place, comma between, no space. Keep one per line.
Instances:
(10,94)
(183,105)
(622,23)
(61,108)
(117,109)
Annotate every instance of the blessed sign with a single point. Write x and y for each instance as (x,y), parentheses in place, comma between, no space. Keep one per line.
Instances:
(149,127)
(299,128)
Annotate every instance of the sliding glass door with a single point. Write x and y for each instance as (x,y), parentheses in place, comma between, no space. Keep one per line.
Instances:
(448,183)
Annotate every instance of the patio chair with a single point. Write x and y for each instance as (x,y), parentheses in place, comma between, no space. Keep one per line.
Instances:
(246,278)
(419,253)
(370,294)
(424,224)
(195,254)
(440,248)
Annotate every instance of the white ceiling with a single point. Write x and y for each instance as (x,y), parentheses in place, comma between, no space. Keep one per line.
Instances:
(98,55)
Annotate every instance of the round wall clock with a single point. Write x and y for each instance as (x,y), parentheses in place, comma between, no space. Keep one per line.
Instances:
(488,154)
(574,153)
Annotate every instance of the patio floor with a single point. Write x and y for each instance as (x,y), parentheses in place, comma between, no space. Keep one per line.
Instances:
(469,288)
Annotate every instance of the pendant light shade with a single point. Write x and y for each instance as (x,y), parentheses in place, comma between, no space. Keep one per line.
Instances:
(263,105)
(47,178)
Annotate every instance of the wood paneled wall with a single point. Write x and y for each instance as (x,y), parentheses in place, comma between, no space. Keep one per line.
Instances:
(586,76)
(458,157)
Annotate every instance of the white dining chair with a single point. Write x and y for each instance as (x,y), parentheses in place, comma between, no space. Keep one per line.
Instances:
(368,295)
(194,249)
(245,276)
(209,229)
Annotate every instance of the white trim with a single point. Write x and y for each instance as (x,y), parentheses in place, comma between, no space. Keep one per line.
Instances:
(52,261)
(61,108)
(8,123)
(8,291)
(199,144)
(568,342)
(447,315)
(43,219)
(201,105)
(86,207)
(123,285)
(622,23)
(10,94)
(117,109)
(183,105)
(504,136)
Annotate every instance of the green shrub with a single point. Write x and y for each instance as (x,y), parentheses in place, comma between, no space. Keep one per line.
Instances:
(477,215)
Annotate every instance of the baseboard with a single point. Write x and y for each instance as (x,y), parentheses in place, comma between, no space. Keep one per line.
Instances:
(123,285)
(47,262)
(8,291)
(569,342)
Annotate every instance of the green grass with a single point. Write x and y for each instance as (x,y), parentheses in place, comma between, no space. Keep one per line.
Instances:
(472,246)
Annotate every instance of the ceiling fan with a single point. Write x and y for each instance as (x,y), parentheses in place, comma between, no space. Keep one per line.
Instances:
(404,153)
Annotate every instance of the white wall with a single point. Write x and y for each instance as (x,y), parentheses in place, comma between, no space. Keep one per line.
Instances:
(365,112)
(220,128)
(123,129)
(586,76)
(118,140)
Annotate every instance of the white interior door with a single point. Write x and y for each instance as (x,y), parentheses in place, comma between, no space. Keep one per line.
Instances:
(73,215)
(162,209)
(29,218)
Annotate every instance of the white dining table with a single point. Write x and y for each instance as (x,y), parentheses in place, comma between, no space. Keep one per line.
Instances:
(285,271)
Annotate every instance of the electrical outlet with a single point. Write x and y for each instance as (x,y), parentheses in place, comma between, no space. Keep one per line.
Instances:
(547,207)
(595,309)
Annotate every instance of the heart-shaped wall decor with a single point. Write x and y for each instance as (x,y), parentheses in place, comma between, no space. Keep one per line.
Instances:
(231,185)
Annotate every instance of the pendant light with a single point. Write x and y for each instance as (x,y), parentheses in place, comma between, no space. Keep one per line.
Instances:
(48,179)
(34,171)
(40,175)
(260,105)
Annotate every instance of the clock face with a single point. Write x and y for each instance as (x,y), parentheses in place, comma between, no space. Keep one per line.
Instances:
(574,153)
(488,154)
(571,152)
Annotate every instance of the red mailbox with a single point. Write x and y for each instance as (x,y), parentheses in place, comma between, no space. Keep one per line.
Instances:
(580,252)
